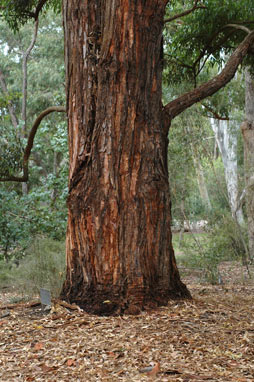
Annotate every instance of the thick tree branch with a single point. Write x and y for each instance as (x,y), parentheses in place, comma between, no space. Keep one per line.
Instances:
(177,106)
(29,146)
(185,13)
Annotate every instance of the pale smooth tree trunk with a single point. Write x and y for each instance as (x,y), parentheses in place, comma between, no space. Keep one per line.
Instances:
(201,178)
(226,139)
(247,129)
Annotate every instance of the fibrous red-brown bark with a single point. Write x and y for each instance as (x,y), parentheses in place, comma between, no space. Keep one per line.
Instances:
(119,251)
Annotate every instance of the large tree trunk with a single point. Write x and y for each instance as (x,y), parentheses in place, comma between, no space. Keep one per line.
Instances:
(247,128)
(119,252)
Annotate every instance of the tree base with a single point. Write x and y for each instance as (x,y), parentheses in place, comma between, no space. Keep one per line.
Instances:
(113,302)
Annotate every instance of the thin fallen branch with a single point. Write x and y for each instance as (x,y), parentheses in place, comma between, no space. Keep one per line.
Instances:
(79,322)
(21,305)
(66,304)
(5,314)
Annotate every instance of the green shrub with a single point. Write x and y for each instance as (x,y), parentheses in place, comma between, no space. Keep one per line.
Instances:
(228,238)
(224,241)
(26,216)
(42,267)
(5,271)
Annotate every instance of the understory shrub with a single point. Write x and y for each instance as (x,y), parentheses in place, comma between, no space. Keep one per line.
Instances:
(225,240)
(42,267)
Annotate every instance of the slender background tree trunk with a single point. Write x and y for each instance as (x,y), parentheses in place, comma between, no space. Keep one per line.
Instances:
(227,142)
(119,252)
(200,178)
(247,128)
(26,55)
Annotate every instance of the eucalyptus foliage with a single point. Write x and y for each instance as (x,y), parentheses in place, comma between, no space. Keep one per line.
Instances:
(200,38)
(18,12)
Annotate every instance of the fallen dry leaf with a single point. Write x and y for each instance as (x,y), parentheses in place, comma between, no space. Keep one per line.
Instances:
(71,362)
(38,346)
(208,339)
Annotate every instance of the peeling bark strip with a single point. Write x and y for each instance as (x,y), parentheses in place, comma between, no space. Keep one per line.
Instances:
(119,252)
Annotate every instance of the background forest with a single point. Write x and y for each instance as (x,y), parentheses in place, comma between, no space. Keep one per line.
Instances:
(205,163)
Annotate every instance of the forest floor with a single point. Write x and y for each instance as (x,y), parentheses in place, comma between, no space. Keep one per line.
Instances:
(210,338)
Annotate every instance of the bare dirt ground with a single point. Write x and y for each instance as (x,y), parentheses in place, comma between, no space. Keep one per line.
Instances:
(210,338)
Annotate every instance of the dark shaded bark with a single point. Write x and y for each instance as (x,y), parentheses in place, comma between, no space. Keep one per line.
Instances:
(119,252)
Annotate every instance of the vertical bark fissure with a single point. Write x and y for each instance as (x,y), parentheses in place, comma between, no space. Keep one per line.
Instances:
(119,240)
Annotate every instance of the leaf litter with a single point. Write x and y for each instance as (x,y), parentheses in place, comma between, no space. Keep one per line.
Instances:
(210,338)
